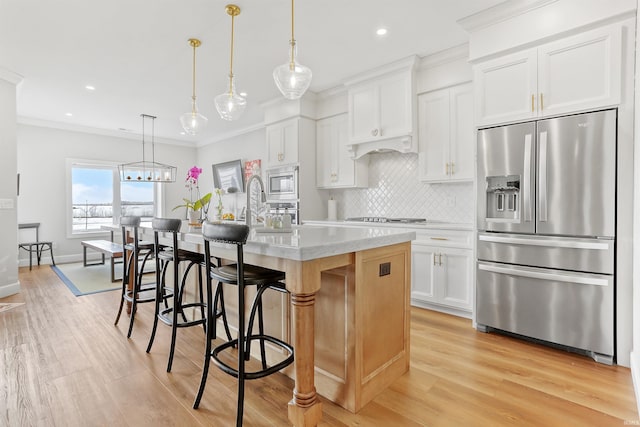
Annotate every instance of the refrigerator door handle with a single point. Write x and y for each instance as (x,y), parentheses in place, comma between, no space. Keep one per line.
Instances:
(542,180)
(556,277)
(601,246)
(526,190)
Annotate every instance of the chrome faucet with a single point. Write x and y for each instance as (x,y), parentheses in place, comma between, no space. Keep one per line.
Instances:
(263,197)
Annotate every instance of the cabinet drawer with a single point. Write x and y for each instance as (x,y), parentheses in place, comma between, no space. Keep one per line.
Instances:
(445,238)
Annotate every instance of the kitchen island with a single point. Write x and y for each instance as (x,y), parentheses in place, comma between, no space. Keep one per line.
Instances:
(348,310)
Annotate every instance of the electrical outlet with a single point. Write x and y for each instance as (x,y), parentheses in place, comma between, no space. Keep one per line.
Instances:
(451,201)
(385,269)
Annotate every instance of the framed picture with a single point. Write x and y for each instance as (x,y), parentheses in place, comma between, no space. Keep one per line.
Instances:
(229,176)
(252,167)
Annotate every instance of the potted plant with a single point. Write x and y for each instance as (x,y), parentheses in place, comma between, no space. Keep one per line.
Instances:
(195,208)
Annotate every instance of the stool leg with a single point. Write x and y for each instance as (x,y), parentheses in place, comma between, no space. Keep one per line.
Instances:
(177,296)
(223,311)
(125,280)
(160,281)
(204,325)
(257,305)
(137,280)
(53,261)
(241,360)
(30,255)
(210,331)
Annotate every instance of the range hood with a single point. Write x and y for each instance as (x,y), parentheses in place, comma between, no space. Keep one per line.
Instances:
(402,144)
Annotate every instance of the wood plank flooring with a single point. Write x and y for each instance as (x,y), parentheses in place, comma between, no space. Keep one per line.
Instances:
(64,363)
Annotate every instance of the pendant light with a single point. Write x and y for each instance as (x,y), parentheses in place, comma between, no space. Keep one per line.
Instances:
(145,171)
(229,104)
(292,78)
(193,122)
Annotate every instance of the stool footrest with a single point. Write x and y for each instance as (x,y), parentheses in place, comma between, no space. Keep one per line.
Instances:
(166,316)
(255,374)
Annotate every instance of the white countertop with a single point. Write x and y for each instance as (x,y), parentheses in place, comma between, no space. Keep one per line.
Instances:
(306,242)
(436,225)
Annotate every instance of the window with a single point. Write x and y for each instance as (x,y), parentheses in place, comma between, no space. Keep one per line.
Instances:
(97,197)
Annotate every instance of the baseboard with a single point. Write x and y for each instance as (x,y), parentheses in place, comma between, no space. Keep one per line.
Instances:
(10,289)
(635,375)
(440,308)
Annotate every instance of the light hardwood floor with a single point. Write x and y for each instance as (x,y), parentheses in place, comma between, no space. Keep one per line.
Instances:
(63,363)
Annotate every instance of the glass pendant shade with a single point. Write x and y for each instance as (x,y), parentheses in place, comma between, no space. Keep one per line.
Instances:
(229,104)
(293,79)
(193,122)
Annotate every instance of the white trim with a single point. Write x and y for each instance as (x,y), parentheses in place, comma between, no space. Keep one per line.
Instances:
(402,64)
(10,289)
(635,375)
(444,57)
(231,134)
(97,131)
(10,76)
(500,12)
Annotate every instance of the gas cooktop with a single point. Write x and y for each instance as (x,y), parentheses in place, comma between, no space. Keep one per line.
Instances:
(385,219)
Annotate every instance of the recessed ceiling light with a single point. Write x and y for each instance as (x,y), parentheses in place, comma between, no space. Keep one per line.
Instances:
(183,133)
(89,87)
(243,94)
(68,114)
(381,31)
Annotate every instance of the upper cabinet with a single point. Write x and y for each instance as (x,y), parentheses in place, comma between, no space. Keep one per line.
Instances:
(282,143)
(334,166)
(382,110)
(446,134)
(573,74)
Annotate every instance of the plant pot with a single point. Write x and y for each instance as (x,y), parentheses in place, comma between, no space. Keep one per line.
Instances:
(194,217)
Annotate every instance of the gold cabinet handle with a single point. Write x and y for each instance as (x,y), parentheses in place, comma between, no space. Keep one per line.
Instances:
(447,169)
(440,259)
(453,166)
(533,98)
(434,259)
(541,102)
(439,238)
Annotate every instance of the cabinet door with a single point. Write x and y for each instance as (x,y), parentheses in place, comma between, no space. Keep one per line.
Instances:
(433,135)
(580,72)
(363,112)
(454,278)
(462,133)
(282,143)
(325,148)
(395,106)
(506,88)
(423,265)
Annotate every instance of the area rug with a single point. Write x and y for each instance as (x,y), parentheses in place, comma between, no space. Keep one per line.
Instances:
(6,306)
(88,280)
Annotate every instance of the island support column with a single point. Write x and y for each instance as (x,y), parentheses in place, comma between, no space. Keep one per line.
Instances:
(304,409)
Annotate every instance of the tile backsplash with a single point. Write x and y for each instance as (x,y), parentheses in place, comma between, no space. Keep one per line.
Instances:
(395,191)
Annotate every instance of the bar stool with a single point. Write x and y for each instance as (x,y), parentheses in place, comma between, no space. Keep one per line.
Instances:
(133,290)
(241,275)
(164,256)
(36,247)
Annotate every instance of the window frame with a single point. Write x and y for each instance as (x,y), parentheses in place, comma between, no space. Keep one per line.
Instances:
(158,196)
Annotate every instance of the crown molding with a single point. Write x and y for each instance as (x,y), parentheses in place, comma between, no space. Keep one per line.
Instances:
(10,76)
(446,56)
(401,64)
(232,134)
(29,121)
(500,12)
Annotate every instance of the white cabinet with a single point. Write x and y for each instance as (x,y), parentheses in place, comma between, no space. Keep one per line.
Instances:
(446,135)
(572,74)
(334,166)
(442,271)
(382,109)
(282,143)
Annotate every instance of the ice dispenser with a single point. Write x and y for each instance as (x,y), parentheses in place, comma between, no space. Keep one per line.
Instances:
(503,197)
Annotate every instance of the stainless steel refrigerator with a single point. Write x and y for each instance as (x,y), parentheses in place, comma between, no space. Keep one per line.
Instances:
(546,231)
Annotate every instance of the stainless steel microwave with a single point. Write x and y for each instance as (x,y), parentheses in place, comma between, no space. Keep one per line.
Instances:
(282,183)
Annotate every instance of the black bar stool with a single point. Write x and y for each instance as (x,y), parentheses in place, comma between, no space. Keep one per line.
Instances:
(36,247)
(133,290)
(164,256)
(241,275)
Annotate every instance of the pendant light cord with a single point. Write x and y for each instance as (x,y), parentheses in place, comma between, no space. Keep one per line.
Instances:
(292,64)
(193,97)
(231,61)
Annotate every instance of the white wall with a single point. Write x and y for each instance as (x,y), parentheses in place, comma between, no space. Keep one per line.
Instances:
(42,154)
(249,146)
(8,219)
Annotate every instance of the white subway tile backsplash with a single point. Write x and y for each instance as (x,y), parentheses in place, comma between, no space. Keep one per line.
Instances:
(395,191)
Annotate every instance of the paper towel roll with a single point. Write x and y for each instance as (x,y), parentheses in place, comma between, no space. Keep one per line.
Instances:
(332,213)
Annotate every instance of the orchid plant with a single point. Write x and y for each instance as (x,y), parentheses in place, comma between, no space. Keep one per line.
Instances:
(192,185)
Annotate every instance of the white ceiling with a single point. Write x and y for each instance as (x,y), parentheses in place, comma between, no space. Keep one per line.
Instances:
(136,53)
